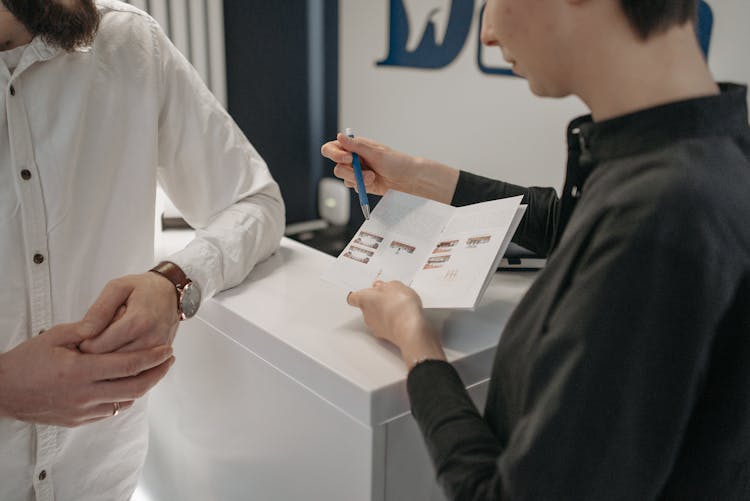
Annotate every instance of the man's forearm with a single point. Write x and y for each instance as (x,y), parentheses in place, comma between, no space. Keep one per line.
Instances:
(3,385)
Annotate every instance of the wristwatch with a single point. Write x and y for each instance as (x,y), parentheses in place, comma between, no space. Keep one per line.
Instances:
(188,292)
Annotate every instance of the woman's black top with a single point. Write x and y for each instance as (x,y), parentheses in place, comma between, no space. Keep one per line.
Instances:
(624,373)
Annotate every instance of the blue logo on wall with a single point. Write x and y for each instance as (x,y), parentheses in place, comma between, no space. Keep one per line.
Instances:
(705,26)
(430,35)
(430,51)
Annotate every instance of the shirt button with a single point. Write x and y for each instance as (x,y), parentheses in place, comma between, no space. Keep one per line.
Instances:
(38,258)
(575,192)
(42,474)
(12,91)
(26,174)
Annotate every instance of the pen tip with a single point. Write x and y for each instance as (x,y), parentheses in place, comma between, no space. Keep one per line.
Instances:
(366,211)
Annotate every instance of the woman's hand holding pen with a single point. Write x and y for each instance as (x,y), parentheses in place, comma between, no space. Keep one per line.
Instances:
(385,169)
(394,312)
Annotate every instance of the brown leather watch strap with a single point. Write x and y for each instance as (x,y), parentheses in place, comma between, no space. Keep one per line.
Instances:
(172,272)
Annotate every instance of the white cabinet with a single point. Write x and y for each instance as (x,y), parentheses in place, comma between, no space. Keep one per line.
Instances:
(279,393)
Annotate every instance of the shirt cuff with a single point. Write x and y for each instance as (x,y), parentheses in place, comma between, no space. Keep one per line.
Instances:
(433,385)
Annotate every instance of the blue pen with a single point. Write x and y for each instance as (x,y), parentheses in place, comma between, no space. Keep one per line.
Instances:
(363,201)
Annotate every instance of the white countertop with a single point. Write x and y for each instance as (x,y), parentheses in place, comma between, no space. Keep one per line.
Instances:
(286,315)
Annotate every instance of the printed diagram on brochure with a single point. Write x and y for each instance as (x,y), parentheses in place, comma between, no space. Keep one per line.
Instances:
(446,254)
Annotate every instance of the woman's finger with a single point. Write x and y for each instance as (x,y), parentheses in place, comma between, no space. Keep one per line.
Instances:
(333,151)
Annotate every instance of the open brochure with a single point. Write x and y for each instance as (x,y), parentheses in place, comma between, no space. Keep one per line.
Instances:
(446,254)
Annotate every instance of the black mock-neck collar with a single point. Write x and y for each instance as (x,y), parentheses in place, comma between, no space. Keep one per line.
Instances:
(721,114)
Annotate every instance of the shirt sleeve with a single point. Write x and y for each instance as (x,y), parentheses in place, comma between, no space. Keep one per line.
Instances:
(460,442)
(610,386)
(539,225)
(215,177)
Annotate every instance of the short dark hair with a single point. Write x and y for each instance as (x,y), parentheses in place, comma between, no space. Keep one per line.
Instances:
(648,17)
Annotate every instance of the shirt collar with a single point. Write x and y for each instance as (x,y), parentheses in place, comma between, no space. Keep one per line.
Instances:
(39,50)
(43,50)
(641,131)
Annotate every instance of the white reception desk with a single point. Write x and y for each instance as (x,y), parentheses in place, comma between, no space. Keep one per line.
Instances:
(280,393)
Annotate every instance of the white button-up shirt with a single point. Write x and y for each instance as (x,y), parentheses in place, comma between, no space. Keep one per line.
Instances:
(84,137)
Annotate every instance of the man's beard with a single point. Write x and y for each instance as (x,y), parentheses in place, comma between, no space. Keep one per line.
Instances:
(57,24)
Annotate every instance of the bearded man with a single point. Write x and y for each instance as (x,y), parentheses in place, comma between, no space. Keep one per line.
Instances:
(97,107)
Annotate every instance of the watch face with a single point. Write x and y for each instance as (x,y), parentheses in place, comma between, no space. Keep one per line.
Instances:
(191,300)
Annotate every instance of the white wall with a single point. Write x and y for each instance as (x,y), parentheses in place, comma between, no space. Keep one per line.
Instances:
(488,124)
(729,57)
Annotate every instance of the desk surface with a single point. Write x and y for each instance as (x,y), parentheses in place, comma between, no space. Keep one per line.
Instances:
(286,315)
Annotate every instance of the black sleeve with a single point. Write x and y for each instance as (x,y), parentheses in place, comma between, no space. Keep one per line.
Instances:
(609,388)
(462,446)
(538,226)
